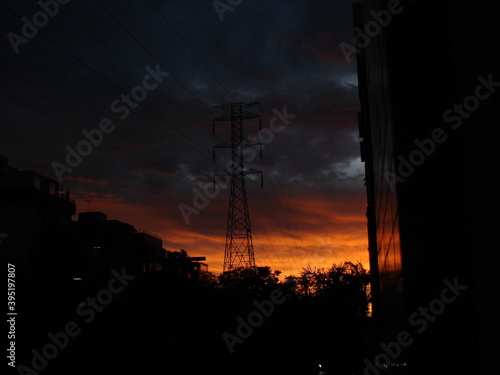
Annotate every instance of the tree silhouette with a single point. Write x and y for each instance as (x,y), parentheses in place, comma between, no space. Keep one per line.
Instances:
(251,279)
(344,285)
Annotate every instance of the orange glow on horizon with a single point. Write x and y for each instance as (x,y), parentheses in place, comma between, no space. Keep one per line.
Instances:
(322,232)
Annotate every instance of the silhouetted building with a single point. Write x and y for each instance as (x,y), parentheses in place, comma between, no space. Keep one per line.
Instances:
(429,86)
(178,265)
(196,268)
(37,233)
(104,245)
(36,218)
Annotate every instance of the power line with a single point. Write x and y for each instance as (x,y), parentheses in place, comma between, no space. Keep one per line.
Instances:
(275,194)
(115,86)
(74,127)
(290,214)
(102,91)
(191,49)
(281,230)
(133,70)
(234,66)
(152,55)
(286,216)
(77,24)
(256,218)
(263,112)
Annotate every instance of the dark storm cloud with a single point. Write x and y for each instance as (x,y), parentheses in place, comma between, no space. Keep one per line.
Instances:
(283,53)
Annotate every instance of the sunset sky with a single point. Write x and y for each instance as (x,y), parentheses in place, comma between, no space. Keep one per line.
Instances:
(69,73)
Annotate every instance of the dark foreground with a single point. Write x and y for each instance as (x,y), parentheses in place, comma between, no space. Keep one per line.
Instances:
(157,326)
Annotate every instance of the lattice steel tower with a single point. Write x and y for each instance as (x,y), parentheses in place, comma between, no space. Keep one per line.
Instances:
(239,247)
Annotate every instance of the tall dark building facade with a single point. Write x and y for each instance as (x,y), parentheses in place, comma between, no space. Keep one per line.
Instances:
(429,86)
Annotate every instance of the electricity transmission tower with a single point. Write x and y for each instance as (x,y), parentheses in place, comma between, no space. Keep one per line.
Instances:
(239,247)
